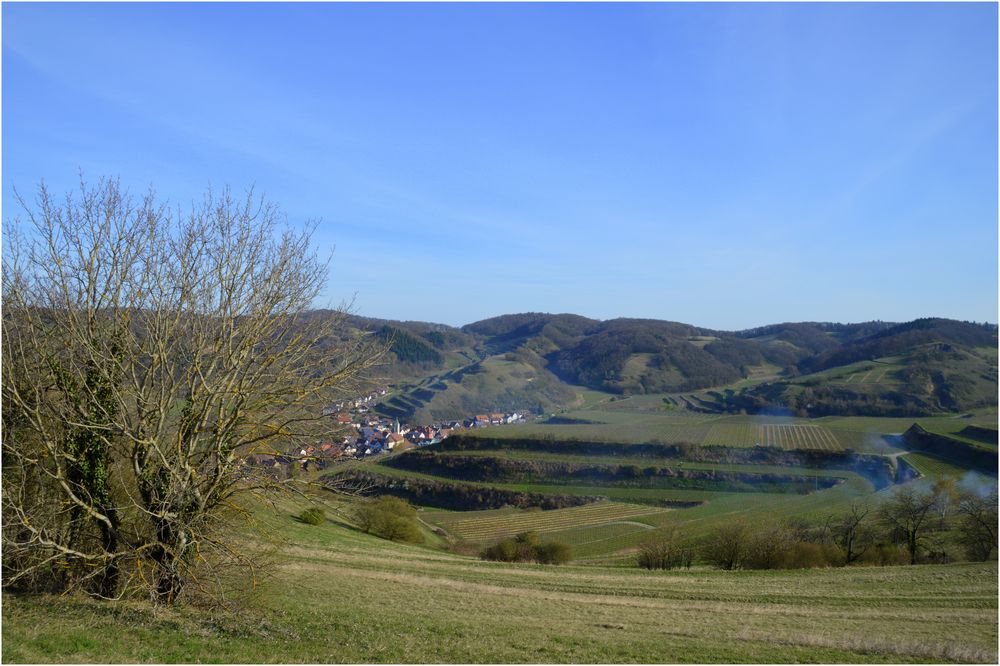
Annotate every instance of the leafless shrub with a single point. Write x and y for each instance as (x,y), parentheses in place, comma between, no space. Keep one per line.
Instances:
(146,356)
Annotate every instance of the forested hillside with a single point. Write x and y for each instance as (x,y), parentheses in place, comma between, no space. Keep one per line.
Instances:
(532,361)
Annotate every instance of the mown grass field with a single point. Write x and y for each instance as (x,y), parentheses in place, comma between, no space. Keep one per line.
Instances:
(337,595)
(748,509)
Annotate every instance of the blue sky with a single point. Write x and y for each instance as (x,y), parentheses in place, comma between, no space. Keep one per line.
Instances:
(721,165)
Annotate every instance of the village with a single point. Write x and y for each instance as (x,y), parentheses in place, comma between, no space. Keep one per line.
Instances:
(366,433)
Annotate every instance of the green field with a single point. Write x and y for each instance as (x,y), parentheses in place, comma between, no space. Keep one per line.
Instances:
(337,595)
(717,508)
(492,525)
(648,419)
(955,430)
(594,540)
(934,467)
(602,540)
(694,523)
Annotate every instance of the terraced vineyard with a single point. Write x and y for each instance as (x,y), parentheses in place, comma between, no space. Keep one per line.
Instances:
(864,441)
(783,436)
(598,540)
(975,436)
(488,525)
(732,434)
(656,418)
(934,467)
(646,460)
(877,375)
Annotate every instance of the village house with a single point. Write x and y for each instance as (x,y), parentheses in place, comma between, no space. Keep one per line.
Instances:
(392,439)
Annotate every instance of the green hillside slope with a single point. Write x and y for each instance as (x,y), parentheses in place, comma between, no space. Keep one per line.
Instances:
(922,367)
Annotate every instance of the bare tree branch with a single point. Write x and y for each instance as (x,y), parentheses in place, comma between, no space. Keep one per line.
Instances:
(146,356)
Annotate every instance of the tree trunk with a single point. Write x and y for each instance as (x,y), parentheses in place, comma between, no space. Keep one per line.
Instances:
(109,581)
(169,557)
(168,586)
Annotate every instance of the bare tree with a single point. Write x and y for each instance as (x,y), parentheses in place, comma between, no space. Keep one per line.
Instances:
(947,491)
(850,532)
(978,527)
(767,546)
(664,551)
(146,356)
(906,513)
(727,546)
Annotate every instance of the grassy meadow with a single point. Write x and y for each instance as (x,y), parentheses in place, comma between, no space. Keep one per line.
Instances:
(337,595)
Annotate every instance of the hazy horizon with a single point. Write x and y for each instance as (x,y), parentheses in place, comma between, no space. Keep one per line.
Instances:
(723,165)
(691,323)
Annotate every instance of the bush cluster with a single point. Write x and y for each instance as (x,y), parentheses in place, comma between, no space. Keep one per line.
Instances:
(494,469)
(773,546)
(874,468)
(664,552)
(312,516)
(908,527)
(527,547)
(390,518)
(452,495)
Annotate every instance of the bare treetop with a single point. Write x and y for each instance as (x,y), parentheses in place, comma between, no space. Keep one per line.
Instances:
(146,355)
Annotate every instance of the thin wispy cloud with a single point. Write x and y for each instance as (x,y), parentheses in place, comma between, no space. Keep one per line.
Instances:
(726,165)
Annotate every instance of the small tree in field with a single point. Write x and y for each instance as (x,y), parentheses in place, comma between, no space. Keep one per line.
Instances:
(907,513)
(553,552)
(505,550)
(978,526)
(390,518)
(851,532)
(767,547)
(727,547)
(147,355)
(528,547)
(664,552)
(312,516)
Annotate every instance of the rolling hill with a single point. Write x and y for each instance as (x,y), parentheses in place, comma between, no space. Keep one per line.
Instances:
(539,363)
